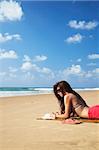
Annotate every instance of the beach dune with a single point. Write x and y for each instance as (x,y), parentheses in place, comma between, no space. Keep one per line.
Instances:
(20,129)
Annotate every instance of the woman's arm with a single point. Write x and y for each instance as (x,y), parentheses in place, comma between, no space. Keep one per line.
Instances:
(67,103)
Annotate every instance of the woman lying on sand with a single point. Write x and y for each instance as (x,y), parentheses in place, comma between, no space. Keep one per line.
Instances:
(72,103)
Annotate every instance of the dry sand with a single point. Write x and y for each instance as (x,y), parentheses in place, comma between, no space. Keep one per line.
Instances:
(20,130)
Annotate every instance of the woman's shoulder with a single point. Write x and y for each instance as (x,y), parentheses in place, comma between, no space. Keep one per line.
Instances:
(69,96)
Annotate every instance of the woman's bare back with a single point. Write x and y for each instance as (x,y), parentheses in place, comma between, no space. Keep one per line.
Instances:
(79,105)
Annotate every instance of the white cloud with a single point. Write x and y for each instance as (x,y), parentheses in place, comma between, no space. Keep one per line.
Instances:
(11,54)
(74,69)
(12,75)
(26,58)
(40,58)
(34,69)
(77,38)
(12,70)
(93,56)
(75,72)
(96,70)
(45,70)
(26,66)
(29,76)
(10,11)
(91,64)
(37,58)
(88,74)
(2,74)
(83,24)
(47,73)
(93,73)
(79,60)
(7,37)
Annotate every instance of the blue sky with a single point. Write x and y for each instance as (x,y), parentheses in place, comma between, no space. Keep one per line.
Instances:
(44,42)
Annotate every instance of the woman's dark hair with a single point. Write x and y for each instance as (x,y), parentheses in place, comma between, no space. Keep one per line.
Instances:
(64,87)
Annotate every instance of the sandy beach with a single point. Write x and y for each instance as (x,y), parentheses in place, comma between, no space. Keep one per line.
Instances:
(20,130)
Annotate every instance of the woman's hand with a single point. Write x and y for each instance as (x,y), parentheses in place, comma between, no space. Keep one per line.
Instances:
(56,114)
(53,115)
(59,116)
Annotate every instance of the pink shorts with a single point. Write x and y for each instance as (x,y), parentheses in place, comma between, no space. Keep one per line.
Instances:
(93,112)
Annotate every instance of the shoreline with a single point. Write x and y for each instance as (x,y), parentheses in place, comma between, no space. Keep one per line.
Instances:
(13,96)
(44,93)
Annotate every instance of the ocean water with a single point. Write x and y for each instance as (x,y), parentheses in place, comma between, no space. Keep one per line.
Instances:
(22,91)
